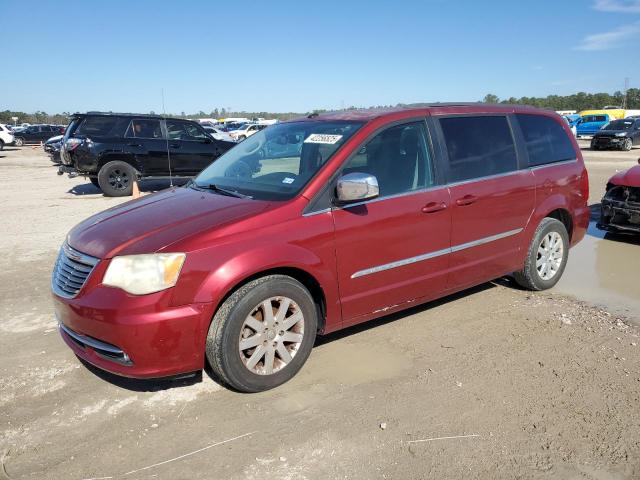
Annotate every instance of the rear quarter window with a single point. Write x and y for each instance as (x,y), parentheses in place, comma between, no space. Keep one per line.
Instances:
(101,126)
(478,146)
(546,140)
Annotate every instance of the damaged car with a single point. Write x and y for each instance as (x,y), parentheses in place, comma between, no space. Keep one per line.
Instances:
(620,207)
(619,134)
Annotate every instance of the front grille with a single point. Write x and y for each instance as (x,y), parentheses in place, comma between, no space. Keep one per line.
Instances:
(71,271)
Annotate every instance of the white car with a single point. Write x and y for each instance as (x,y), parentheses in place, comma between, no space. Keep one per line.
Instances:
(218,134)
(6,136)
(246,131)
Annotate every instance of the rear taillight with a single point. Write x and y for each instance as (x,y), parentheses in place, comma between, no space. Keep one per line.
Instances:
(584,184)
(72,143)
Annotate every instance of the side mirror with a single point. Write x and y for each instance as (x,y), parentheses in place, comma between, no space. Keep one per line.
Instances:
(354,187)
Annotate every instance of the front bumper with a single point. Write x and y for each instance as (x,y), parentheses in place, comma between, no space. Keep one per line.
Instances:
(608,142)
(134,336)
(619,216)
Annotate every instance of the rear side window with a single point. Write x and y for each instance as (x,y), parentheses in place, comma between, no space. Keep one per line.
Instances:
(546,140)
(144,128)
(478,146)
(97,126)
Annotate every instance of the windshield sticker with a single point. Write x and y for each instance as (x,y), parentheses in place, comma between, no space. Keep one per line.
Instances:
(323,138)
(288,180)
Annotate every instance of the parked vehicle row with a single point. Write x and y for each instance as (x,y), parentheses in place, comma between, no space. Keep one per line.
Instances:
(451,196)
(36,134)
(619,134)
(6,136)
(114,150)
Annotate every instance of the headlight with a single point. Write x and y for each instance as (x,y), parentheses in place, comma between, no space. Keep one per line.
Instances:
(142,274)
(621,134)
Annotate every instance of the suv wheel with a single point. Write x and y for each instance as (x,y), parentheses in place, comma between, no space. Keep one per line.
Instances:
(547,256)
(116,178)
(19,141)
(262,334)
(627,145)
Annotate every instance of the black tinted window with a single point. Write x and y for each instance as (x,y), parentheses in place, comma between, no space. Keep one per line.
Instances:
(398,157)
(97,126)
(478,146)
(143,128)
(546,140)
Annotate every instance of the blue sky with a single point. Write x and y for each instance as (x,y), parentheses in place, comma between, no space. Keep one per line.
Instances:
(297,56)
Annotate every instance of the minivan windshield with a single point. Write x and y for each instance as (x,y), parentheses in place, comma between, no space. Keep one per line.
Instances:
(276,162)
(619,125)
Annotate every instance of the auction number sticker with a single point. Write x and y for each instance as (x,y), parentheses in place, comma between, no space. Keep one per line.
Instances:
(323,138)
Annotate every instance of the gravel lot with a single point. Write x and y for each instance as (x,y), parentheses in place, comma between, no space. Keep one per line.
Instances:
(492,383)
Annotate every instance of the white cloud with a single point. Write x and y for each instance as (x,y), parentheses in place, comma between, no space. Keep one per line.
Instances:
(623,6)
(609,40)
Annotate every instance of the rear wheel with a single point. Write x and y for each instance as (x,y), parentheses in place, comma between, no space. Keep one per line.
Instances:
(116,178)
(627,145)
(547,256)
(262,334)
(19,141)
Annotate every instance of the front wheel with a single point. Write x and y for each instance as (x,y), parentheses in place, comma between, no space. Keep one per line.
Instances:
(547,256)
(116,178)
(627,145)
(262,334)
(19,141)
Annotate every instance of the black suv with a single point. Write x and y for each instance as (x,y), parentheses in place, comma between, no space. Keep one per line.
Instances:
(115,149)
(622,134)
(37,134)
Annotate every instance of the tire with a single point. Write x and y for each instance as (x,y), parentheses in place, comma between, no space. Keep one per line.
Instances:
(95,182)
(1,145)
(235,366)
(627,145)
(116,178)
(530,277)
(19,141)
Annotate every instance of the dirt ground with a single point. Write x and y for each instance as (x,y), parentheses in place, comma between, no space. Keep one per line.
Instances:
(491,383)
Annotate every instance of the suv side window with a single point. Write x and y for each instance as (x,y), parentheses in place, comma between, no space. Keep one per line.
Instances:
(144,128)
(478,146)
(398,157)
(99,126)
(194,132)
(546,140)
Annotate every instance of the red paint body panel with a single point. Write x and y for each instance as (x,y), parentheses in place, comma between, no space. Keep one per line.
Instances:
(628,178)
(229,240)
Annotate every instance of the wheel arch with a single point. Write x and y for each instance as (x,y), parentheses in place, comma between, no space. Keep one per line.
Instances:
(299,274)
(563,215)
(121,157)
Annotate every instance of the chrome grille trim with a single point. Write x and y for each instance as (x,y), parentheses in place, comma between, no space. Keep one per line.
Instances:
(71,270)
(104,350)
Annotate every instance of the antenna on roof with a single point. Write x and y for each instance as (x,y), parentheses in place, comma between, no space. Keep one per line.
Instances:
(164,117)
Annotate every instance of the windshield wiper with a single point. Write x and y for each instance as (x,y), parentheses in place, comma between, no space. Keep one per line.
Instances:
(223,191)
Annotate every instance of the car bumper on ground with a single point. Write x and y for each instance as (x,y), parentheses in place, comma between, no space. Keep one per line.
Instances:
(134,336)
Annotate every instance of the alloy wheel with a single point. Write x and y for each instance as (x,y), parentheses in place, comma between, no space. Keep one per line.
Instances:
(119,179)
(271,335)
(550,255)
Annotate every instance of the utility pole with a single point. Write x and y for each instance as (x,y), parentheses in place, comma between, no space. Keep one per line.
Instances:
(624,93)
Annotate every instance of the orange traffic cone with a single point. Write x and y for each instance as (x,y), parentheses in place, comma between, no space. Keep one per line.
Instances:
(135,192)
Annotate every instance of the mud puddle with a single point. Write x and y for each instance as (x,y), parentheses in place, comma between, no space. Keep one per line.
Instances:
(603,269)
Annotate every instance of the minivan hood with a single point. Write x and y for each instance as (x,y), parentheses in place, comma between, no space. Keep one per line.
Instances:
(155,221)
(628,178)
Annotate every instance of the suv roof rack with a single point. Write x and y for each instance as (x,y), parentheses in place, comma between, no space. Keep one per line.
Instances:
(117,114)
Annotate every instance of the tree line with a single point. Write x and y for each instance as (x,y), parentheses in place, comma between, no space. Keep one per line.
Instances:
(577,101)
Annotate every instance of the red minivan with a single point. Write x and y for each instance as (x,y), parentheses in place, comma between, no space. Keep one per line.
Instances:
(316,224)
